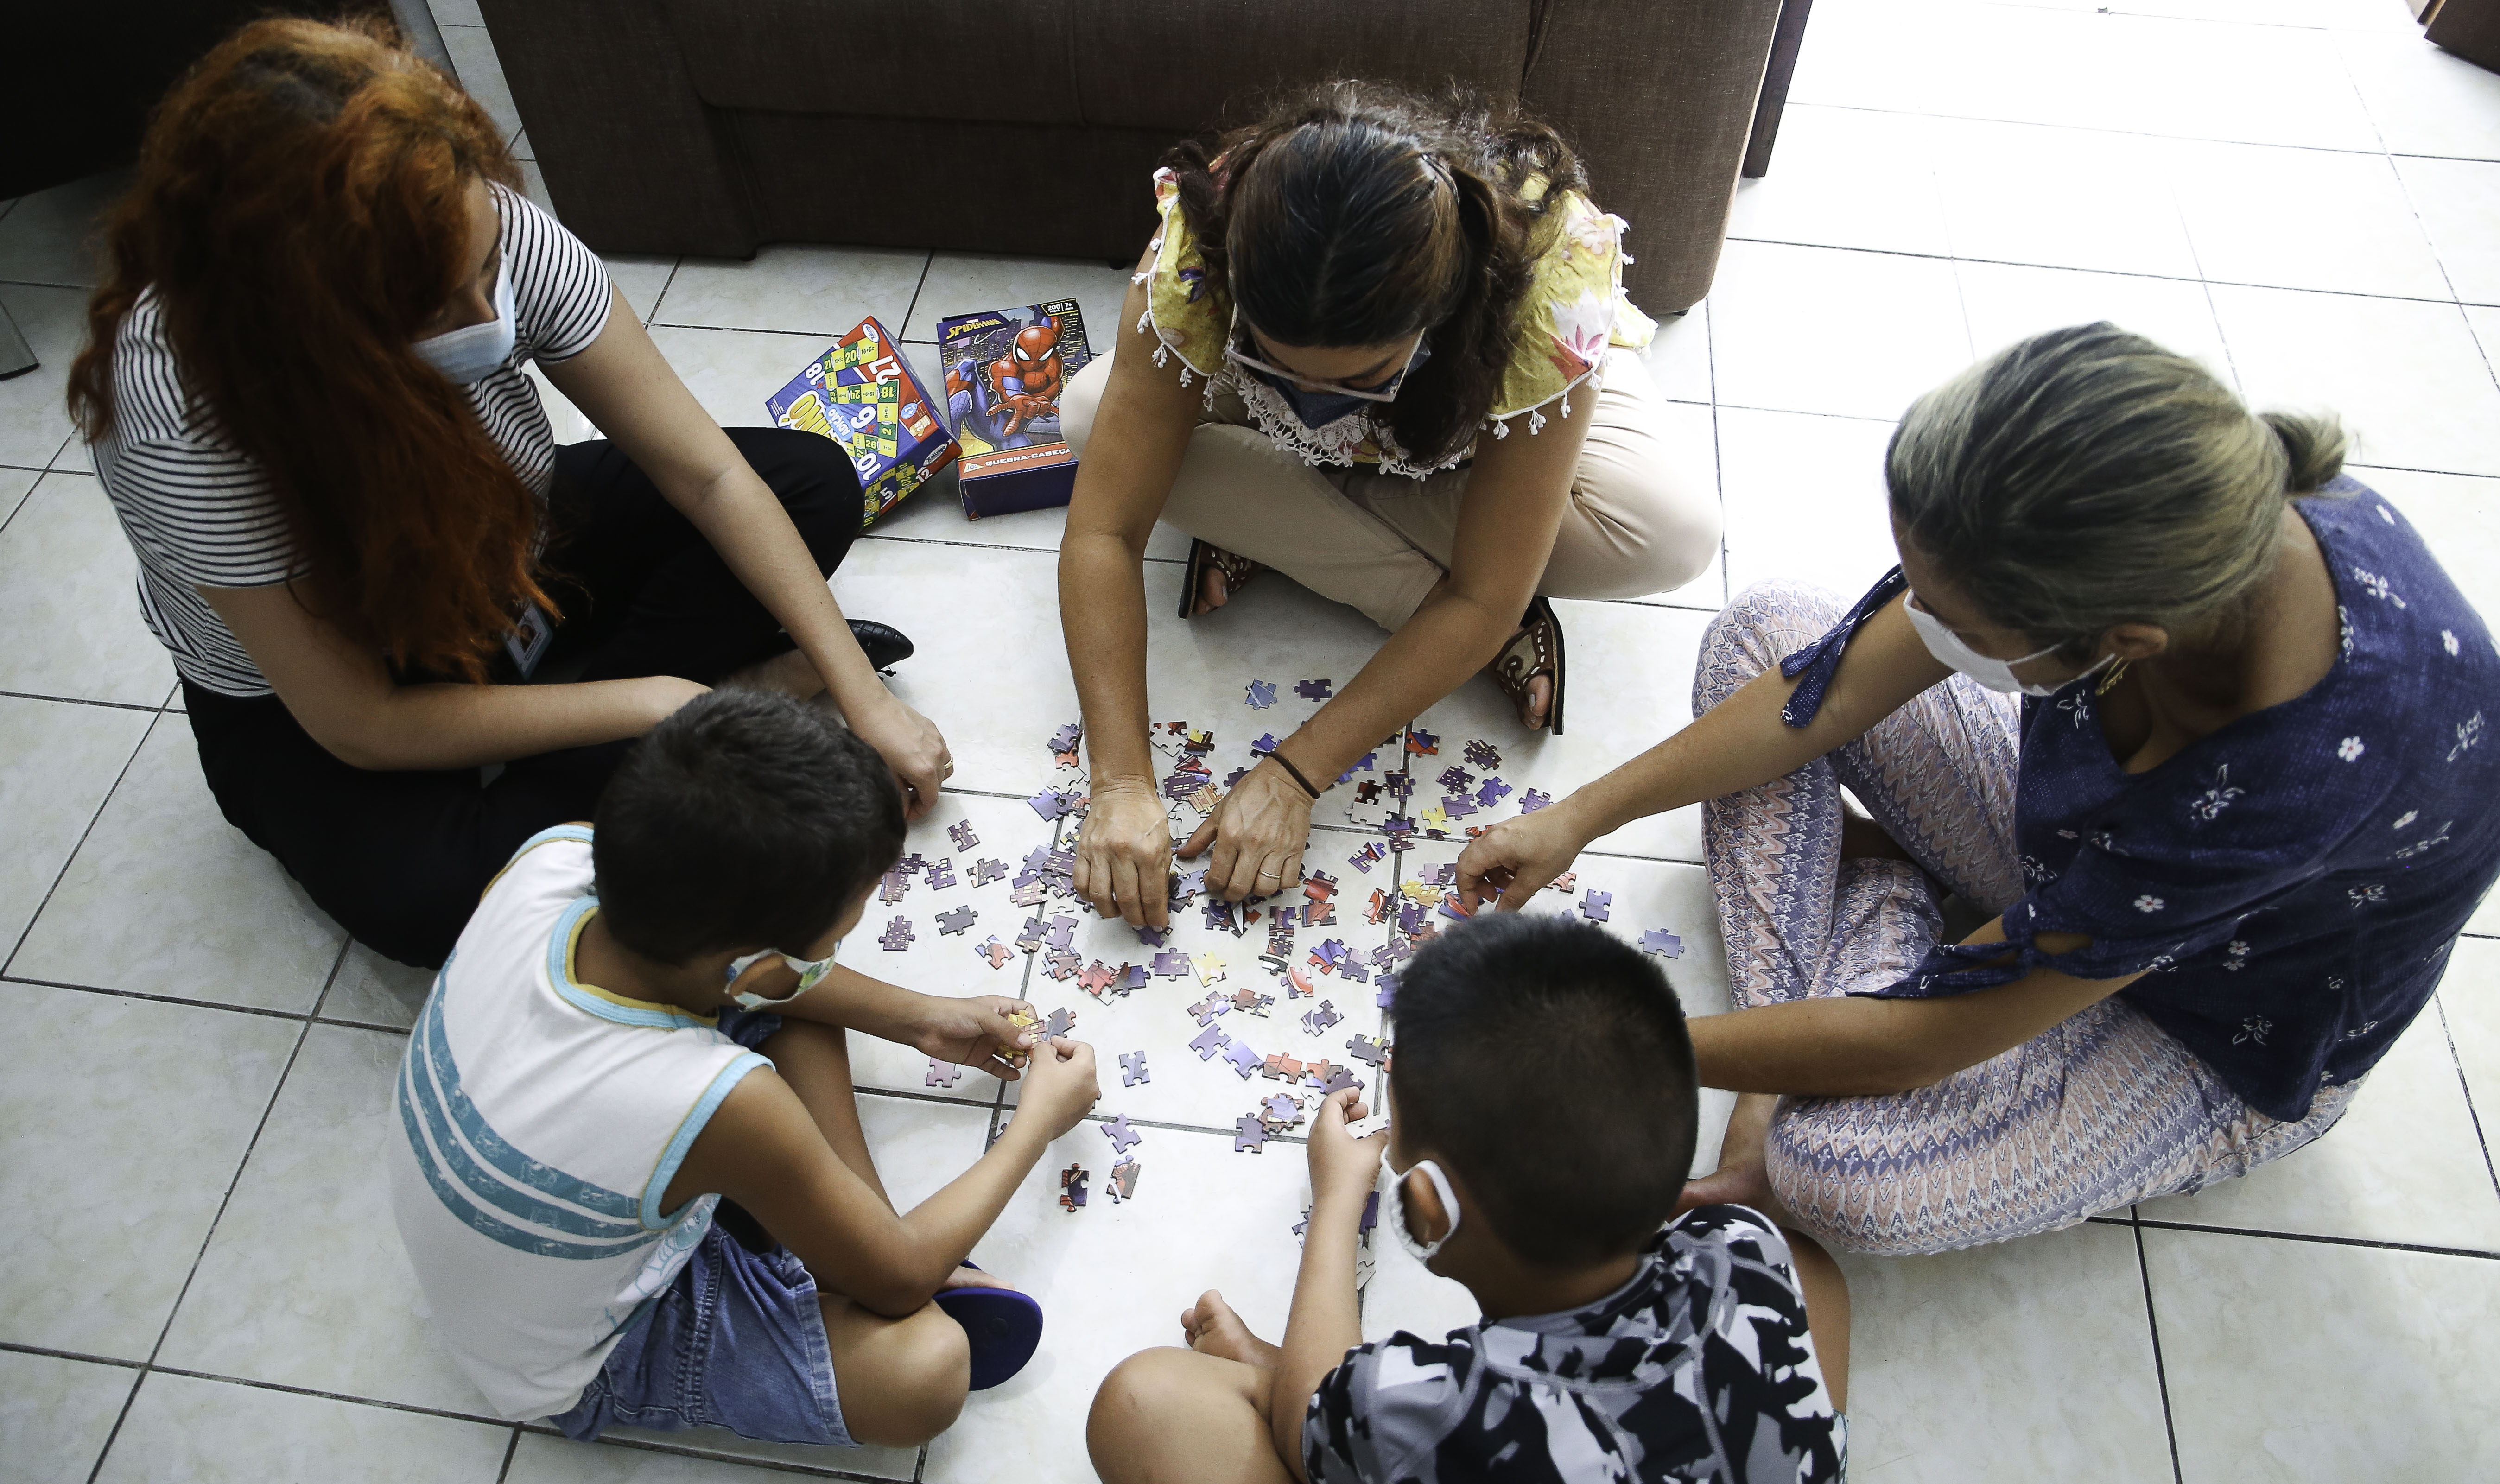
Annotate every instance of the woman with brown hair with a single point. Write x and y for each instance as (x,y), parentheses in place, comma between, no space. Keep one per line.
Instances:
(1380,345)
(304,396)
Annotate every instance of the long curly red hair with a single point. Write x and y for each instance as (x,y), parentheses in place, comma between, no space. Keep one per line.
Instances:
(301,213)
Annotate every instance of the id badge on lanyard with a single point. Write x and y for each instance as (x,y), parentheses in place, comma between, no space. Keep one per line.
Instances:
(528,641)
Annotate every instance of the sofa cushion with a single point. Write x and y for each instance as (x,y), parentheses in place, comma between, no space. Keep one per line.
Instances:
(999,61)
(1179,64)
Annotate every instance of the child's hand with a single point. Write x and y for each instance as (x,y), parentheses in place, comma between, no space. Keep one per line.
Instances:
(1058,1087)
(1341,1164)
(976,1033)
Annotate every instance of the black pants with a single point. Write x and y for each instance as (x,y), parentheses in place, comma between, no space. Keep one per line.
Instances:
(399,857)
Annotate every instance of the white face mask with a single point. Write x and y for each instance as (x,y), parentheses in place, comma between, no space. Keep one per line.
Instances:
(1994,674)
(475,352)
(811,972)
(1393,1207)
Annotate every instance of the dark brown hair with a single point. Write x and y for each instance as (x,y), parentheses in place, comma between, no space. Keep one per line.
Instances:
(1357,213)
(301,211)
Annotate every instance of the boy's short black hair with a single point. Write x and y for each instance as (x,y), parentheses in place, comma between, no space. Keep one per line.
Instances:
(1549,1064)
(747,820)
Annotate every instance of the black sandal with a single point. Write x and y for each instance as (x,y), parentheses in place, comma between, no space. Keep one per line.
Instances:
(1535,649)
(1237,573)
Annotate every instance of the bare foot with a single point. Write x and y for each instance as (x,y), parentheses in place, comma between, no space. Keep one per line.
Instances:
(1211,591)
(974,1277)
(1213,1329)
(1742,1178)
(1541,698)
(790,673)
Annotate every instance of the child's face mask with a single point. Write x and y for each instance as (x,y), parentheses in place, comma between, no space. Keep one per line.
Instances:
(1393,1207)
(810,973)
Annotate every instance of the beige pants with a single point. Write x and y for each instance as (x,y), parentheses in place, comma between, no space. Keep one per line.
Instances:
(1379,542)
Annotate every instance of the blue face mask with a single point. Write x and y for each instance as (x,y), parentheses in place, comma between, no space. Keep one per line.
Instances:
(1318,408)
(475,352)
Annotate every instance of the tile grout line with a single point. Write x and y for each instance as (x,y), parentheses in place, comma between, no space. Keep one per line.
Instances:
(2112,273)
(511,1447)
(2319,1239)
(2467,1087)
(71,859)
(2160,1373)
(118,705)
(927,265)
(174,1310)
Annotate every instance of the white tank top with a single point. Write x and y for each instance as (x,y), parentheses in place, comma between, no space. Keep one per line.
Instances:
(544,1119)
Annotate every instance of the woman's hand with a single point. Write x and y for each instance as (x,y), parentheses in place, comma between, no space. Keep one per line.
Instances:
(1258,831)
(975,1032)
(911,746)
(1124,854)
(1517,858)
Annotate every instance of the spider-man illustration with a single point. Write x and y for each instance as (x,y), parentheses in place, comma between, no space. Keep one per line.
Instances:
(1005,403)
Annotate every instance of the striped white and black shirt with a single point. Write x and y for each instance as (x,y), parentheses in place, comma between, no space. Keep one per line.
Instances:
(199,513)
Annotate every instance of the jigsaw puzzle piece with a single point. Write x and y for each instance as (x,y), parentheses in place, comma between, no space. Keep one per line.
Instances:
(1133,1069)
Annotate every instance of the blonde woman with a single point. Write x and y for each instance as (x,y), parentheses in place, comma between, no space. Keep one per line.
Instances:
(2226,843)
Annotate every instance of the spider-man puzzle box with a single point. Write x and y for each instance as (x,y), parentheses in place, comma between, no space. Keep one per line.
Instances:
(863,396)
(1005,371)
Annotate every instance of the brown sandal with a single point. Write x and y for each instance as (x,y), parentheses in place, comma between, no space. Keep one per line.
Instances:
(1238,572)
(1535,649)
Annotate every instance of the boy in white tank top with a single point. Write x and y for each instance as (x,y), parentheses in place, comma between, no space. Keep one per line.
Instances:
(584,1092)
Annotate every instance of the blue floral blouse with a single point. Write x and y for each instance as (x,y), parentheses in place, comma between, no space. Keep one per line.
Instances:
(2290,885)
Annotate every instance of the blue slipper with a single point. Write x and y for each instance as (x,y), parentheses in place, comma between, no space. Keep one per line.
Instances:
(1003,1325)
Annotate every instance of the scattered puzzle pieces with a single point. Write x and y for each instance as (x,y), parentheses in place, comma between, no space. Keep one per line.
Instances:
(1481,754)
(961,833)
(942,875)
(1210,1042)
(1171,963)
(959,920)
(1072,1188)
(1455,781)
(1663,943)
(1280,1067)
(1205,1011)
(1209,969)
(995,952)
(893,884)
(943,1073)
(897,936)
(1060,1023)
(1493,792)
(1533,799)
(1121,1136)
(1368,1051)
(1262,695)
(1133,1069)
(1564,883)
(1422,744)
(1598,906)
(1249,1133)
(1122,1182)
(985,872)
(1066,738)
(1251,1001)
(1316,1022)
(1280,1112)
(1247,1062)
(1315,690)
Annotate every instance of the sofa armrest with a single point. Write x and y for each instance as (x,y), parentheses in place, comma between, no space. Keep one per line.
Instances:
(632,157)
(1658,97)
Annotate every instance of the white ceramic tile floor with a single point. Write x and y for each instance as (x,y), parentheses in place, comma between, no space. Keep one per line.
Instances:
(2301,191)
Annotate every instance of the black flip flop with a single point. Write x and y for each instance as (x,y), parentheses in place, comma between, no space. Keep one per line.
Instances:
(885,647)
(1005,1326)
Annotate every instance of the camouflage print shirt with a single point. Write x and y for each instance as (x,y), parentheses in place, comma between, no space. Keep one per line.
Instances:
(1698,1368)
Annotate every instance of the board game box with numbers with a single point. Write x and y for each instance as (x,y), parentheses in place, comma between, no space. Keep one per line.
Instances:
(861,394)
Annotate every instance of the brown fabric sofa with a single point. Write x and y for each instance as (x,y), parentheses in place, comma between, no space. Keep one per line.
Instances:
(1031,126)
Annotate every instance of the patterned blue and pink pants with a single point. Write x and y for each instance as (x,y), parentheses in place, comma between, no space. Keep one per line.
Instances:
(2101,1111)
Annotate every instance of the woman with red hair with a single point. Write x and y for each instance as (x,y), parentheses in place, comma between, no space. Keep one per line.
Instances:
(304,396)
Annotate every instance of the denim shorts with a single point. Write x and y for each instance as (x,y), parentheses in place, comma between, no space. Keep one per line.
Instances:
(735,1342)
